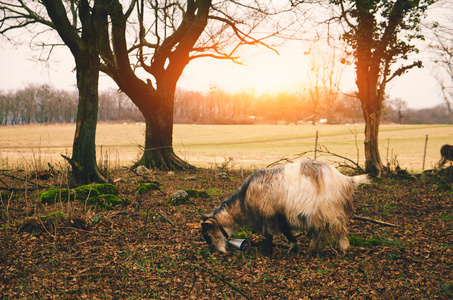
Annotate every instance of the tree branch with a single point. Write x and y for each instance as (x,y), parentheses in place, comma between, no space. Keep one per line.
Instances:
(360,218)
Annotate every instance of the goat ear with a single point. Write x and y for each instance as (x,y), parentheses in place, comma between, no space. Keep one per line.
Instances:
(204,218)
(207,225)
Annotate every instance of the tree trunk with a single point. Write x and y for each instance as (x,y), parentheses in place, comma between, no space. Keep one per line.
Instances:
(158,149)
(373,162)
(83,161)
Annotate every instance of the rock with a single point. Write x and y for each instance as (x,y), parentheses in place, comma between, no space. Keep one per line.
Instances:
(222,175)
(179,197)
(142,170)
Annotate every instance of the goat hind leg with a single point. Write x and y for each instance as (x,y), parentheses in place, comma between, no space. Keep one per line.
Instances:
(315,241)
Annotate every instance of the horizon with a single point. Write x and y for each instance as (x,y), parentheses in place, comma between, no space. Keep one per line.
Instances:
(263,72)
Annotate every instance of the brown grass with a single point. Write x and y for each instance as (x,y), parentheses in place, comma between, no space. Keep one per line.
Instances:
(208,145)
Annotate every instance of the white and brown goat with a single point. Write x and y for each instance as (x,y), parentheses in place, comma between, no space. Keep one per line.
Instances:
(311,196)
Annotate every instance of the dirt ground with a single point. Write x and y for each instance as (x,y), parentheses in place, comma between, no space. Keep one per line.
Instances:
(150,249)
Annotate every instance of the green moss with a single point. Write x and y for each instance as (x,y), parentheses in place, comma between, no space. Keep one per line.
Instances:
(359,242)
(147,187)
(93,190)
(102,195)
(108,201)
(196,194)
(56,195)
(53,216)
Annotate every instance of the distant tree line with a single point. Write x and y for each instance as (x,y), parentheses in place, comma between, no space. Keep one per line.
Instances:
(44,104)
(37,105)
(219,107)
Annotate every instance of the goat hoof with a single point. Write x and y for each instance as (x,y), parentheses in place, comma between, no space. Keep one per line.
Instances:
(267,251)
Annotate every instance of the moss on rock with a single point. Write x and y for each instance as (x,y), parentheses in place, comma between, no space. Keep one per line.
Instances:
(54,195)
(179,197)
(93,190)
(108,201)
(102,195)
(147,187)
(197,194)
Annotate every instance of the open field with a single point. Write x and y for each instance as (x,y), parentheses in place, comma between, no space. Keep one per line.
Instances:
(247,145)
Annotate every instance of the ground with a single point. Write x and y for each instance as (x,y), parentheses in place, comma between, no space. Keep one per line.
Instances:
(150,249)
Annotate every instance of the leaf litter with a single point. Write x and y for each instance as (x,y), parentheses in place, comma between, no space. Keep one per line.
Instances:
(150,249)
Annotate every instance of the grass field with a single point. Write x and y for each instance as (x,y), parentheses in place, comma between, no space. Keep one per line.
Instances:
(247,145)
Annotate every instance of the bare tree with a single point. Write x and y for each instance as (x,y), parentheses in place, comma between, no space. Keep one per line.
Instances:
(379,33)
(400,107)
(168,35)
(442,46)
(324,77)
(77,24)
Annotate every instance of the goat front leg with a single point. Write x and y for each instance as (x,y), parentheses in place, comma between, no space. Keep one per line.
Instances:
(267,247)
(285,228)
(344,242)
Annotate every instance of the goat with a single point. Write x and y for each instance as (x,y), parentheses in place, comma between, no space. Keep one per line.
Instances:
(446,153)
(311,196)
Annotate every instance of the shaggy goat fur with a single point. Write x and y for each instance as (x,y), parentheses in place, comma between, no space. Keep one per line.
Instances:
(311,196)
(446,153)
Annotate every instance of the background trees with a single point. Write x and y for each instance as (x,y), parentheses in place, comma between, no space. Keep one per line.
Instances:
(45,104)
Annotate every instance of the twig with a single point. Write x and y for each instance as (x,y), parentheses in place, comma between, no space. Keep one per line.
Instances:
(322,150)
(19,189)
(164,216)
(360,218)
(21,179)
(73,163)
(223,280)
(2,181)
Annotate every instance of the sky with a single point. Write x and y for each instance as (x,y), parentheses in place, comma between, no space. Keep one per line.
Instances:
(263,71)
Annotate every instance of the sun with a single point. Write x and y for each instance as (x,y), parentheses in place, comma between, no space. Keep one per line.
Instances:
(272,73)
(265,72)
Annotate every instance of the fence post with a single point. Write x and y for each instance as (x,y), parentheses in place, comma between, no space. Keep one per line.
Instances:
(424,153)
(316,145)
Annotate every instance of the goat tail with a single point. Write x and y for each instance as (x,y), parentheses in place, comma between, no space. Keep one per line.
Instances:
(360,179)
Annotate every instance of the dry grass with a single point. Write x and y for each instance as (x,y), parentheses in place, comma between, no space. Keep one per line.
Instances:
(207,145)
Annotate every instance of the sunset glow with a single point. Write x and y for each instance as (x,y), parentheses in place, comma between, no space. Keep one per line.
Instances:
(263,72)
(266,72)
